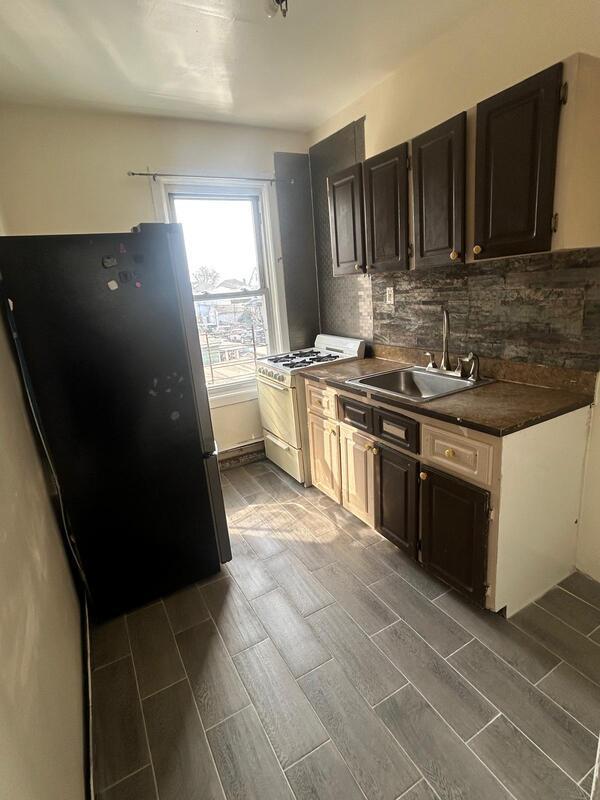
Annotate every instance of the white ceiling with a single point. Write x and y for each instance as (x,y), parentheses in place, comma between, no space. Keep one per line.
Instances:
(212,59)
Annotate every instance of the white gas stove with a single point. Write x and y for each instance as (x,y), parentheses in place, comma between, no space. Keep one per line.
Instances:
(282,399)
(327,349)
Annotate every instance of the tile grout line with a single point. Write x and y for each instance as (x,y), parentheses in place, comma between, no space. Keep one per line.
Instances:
(164,688)
(391,694)
(332,742)
(110,663)
(585,635)
(487,724)
(567,712)
(463,741)
(533,640)
(126,777)
(250,703)
(552,652)
(591,633)
(458,649)
(306,755)
(304,674)
(589,772)
(537,747)
(576,596)
(543,678)
(189,683)
(410,788)
(141,706)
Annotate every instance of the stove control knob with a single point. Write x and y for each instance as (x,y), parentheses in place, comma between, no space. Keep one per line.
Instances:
(270,373)
(280,377)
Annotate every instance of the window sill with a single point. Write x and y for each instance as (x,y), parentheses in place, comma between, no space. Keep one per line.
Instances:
(232,393)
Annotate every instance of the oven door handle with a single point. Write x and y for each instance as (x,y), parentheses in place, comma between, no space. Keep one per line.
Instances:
(274,385)
(279,443)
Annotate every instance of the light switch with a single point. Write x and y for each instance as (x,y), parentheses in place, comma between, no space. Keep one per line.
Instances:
(389,295)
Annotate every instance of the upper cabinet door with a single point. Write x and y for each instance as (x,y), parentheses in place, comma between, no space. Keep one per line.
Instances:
(515,166)
(344,190)
(438,158)
(386,209)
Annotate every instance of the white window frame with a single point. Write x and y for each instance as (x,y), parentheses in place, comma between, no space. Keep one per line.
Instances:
(164,187)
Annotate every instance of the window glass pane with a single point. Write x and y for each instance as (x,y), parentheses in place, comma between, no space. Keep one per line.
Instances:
(232,336)
(220,243)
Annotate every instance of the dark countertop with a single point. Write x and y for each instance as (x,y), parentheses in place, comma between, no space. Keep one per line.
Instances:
(496,408)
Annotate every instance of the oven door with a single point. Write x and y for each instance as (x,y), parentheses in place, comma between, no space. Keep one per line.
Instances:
(279,410)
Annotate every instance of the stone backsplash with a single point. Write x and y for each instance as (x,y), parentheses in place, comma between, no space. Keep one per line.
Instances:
(542,308)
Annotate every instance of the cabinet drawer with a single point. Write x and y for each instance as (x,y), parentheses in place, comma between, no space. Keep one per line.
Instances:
(468,458)
(320,400)
(396,429)
(356,414)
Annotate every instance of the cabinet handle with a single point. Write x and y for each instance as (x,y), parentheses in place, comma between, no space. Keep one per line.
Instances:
(423,476)
(453,255)
(358,268)
(374,450)
(449,453)
(332,433)
(477,249)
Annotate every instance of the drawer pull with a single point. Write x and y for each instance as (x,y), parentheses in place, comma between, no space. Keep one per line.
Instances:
(332,432)
(423,476)
(450,453)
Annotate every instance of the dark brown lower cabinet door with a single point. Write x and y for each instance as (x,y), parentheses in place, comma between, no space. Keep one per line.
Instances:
(396,507)
(454,532)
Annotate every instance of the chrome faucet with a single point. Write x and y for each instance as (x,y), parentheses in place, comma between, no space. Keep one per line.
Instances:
(445,364)
(461,365)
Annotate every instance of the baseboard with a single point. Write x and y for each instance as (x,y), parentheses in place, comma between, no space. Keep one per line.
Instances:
(238,456)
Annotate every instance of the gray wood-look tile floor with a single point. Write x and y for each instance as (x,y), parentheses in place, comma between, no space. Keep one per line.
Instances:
(321,664)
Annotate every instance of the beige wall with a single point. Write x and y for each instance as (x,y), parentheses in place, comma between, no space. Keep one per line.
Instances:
(65,171)
(41,716)
(500,45)
(588,545)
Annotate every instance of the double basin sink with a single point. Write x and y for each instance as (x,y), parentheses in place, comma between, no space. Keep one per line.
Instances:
(415,384)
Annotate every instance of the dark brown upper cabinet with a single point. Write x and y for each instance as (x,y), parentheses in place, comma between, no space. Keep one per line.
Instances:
(385,178)
(438,160)
(515,166)
(345,193)
(454,532)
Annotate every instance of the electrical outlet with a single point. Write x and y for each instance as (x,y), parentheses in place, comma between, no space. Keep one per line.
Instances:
(389,295)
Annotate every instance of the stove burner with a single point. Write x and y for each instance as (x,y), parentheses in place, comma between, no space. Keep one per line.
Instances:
(304,353)
(302,358)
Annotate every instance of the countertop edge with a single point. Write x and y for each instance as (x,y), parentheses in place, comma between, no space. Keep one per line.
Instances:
(581,402)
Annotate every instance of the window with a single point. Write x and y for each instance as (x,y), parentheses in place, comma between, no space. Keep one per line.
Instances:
(231,278)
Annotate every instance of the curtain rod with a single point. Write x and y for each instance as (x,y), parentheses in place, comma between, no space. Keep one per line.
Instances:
(155,175)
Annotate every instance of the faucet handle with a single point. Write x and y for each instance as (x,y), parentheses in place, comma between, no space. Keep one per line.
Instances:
(461,366)
(431,357)
(474,373)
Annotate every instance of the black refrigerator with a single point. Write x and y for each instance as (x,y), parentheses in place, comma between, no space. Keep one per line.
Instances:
(106,339)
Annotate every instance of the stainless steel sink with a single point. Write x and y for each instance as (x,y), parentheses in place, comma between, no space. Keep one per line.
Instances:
(416,384)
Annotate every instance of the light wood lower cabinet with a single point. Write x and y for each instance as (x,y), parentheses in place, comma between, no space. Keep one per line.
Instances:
(358,474)
(323,437)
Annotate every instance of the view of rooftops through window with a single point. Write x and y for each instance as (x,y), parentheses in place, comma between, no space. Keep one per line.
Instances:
(224,258)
